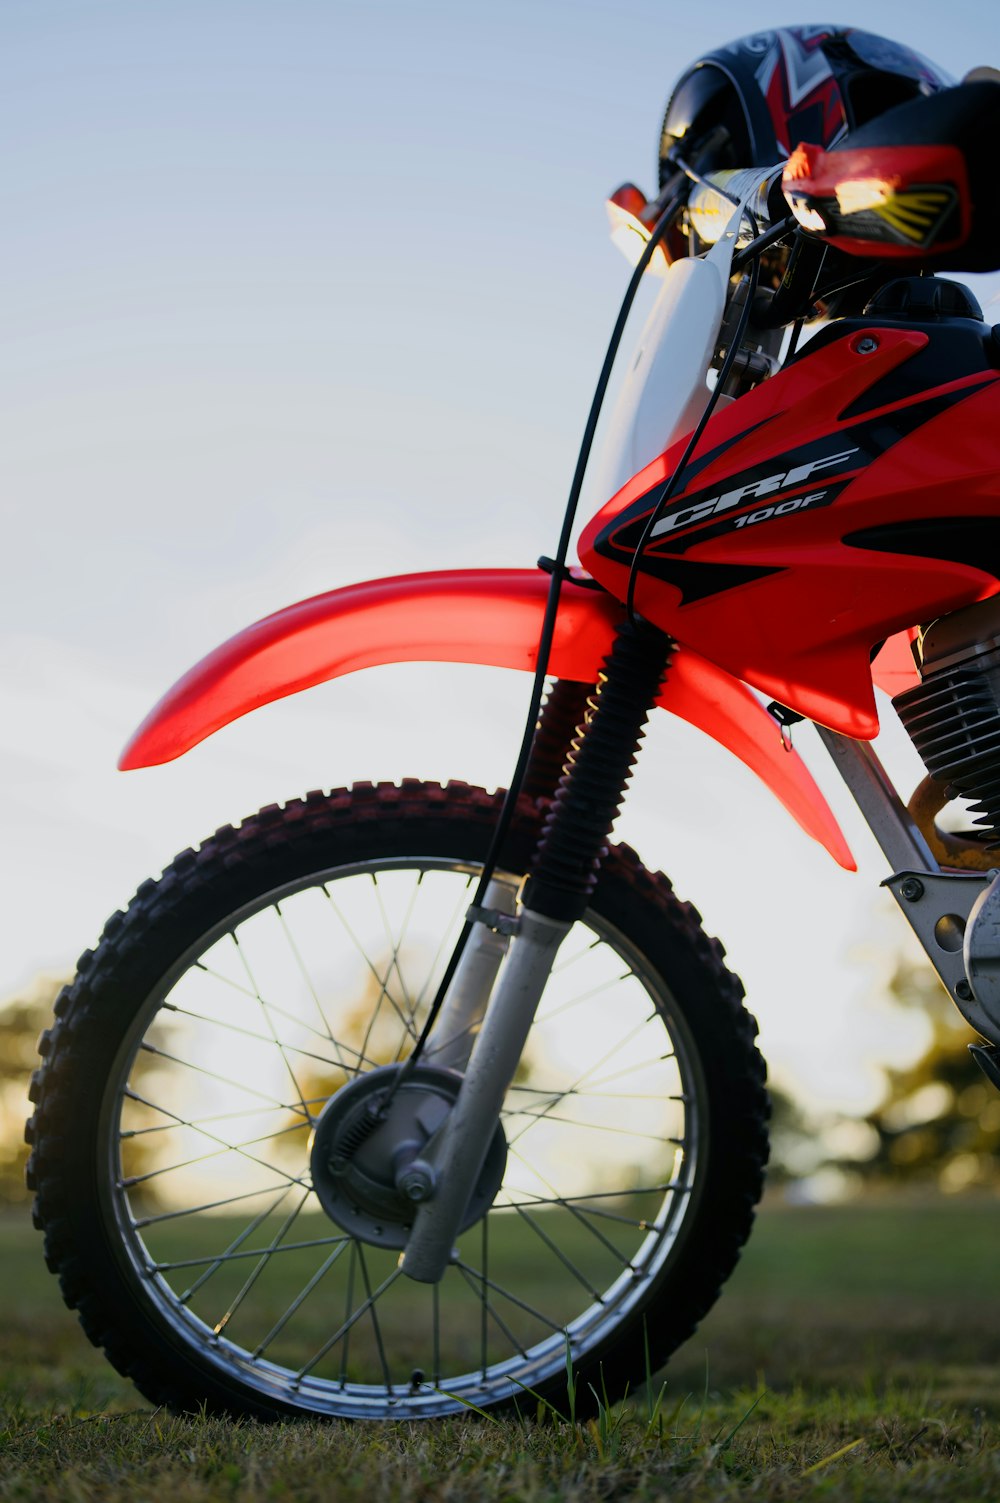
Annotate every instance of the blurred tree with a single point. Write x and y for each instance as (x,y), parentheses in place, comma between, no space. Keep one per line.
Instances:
(22,1019)
(939,1122)
(795,1148)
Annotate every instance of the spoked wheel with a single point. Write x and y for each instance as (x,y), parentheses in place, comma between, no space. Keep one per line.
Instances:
(209,1064)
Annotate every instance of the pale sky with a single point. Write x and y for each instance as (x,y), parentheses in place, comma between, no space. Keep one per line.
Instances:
(299,293)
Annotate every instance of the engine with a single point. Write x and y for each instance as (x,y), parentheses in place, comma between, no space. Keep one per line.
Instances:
(953,715)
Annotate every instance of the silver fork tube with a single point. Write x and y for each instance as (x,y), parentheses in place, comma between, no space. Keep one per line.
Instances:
(453,1035)
(458,1150)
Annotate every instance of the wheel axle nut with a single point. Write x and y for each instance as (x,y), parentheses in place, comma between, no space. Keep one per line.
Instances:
(416,1181)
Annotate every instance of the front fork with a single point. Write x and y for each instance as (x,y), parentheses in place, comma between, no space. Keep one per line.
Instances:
(564,873)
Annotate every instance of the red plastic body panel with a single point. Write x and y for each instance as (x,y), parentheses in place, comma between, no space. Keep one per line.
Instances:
(767,561)
(489,616)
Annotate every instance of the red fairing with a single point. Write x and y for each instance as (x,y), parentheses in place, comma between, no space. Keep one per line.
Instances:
(490,616)
(853,494)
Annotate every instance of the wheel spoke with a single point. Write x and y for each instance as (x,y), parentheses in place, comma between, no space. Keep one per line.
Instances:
(609,1054)
(395,945)
(583,1202)
(252,1252)
(557,1252)
(230,1253)
(226,1147)
(301,1298)
(177,1122)
(227,1080)
(382,981)
(558,1095)
(564,960)
(345,1349)
(309,984)
(436,1322)
(488,1306)
(262,1263)
(578,1001)
(484,1258)
(268,1020)
(348,1325)
(630,1070)
(265,1038)
(507,1294)
(447,936)
(157,1217)
(547,1115)
(577,1216)
(281,1012)
(370,1303)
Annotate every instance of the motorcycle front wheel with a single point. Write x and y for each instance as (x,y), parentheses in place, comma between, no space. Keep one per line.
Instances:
(282,960)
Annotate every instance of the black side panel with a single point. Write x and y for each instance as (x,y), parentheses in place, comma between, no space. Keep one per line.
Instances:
(974,541)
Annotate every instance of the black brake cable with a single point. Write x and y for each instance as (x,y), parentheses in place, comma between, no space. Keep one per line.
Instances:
(547,633)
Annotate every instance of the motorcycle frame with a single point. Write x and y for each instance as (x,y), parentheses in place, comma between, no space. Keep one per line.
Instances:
(936,904)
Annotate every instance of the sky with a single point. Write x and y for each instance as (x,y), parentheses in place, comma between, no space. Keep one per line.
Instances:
(302,293)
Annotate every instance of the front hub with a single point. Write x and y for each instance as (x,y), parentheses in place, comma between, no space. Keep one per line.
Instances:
(369,1169)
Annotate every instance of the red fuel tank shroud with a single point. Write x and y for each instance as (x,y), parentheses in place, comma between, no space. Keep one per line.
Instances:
(489,616)
(751,568)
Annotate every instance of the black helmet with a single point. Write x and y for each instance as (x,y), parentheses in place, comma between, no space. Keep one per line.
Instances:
(771,90)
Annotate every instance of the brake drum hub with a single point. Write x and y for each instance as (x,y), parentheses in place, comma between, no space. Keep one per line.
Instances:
(369,1170)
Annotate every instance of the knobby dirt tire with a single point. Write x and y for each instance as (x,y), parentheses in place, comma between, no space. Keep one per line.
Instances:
(248,881)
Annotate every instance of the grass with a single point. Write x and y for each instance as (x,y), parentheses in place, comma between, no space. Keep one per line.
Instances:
(854,1355)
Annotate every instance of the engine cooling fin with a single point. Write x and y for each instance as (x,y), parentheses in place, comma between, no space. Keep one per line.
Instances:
(953,719)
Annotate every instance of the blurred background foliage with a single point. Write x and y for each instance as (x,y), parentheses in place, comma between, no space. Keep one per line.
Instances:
(937,1125)
(939,1120)
(22,1019)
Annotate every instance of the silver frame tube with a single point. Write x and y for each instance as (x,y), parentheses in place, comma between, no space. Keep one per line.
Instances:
(885,813)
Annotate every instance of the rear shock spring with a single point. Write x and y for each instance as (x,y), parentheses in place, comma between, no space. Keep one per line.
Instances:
(598,767)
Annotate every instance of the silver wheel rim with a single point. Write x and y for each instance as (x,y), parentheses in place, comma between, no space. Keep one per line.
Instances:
(207,1185)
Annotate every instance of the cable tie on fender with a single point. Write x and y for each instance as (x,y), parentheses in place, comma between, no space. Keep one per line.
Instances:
(786,718)
(782,714)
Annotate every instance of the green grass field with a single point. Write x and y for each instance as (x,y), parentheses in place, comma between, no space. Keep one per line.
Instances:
(875,1327)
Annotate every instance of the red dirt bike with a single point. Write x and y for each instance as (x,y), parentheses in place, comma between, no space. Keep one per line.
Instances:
(405,1101)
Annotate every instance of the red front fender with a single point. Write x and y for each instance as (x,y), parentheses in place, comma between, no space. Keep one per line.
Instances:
(489,616)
